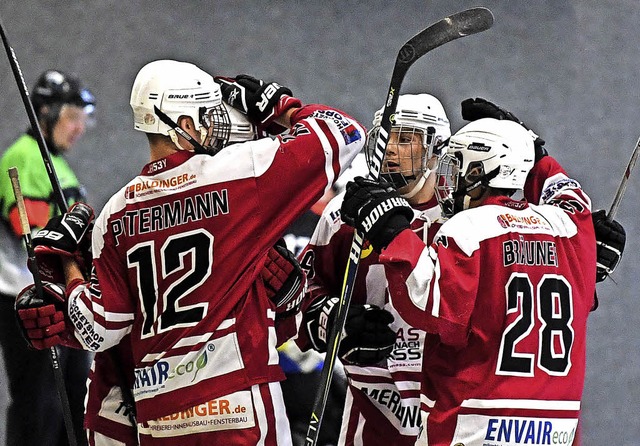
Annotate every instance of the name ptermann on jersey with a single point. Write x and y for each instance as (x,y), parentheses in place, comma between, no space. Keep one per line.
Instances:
(168,215)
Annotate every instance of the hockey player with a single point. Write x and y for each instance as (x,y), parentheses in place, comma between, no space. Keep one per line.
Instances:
(110,409)
(610,235)
(381,353)
(177,252)
(503,292)
(63,107)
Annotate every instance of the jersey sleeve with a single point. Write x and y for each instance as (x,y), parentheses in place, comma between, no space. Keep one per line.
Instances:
(433,287)
(549,184)
(320,145)
(101,323)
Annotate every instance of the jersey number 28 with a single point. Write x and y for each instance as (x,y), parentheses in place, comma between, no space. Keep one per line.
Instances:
(552,304)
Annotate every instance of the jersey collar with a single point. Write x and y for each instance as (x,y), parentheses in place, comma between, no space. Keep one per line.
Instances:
(166,163)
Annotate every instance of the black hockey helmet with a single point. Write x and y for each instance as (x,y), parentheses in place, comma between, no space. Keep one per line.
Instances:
(55,87)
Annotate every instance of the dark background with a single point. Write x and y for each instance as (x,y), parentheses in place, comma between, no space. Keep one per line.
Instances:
(569,69)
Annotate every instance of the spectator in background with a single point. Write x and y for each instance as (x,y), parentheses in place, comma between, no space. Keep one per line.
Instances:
(63,107)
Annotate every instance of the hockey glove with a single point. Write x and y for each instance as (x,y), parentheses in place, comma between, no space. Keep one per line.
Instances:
(367,338)
(610,241)
(41,319)
(478,108)
(65,235)
(284,280)
(376,209)
(262,102)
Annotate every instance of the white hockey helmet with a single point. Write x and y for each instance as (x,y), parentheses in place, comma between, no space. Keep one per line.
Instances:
(415,113)
(173,89)
(487,152)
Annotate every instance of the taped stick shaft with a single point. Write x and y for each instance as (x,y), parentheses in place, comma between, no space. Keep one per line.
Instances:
(54,352)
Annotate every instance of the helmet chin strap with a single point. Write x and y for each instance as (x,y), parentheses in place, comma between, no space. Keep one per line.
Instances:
(419,184)
(482,184)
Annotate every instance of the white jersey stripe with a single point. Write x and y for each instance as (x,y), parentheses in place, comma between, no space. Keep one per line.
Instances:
(521,404)
(426,401)
(328,152)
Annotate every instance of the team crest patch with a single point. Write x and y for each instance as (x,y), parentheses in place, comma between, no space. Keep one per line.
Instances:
(350,134)
(553,188)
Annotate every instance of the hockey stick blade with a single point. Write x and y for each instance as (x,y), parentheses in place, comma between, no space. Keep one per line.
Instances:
(613,210)
(464,23)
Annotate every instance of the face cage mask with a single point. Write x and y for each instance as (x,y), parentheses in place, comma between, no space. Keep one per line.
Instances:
(215,128)
(417,155)
(447,174)
(452,189)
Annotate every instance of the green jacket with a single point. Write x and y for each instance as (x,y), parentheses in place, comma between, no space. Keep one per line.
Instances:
(24,154)
(34,181)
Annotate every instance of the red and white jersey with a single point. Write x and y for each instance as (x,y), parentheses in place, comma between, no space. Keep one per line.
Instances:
(504,293)
(177,255)
(382,406)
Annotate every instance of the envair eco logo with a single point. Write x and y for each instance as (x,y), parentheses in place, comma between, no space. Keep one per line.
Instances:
(529,431)
(153,379)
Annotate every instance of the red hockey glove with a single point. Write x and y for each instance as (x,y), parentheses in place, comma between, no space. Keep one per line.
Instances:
(262,102)
(67,235)
(42,318)
(284,280)
(367,338)
(610,240)
(375,208)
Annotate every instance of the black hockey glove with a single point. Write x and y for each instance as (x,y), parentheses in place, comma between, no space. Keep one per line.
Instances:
(262,102)
(366,339)
(42,319)
(376,209)
(474,109)
(67,235)
(610,241)
(284,280)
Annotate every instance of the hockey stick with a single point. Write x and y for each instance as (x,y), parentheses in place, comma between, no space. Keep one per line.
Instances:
(623,182)
(458,25)
(54,354)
